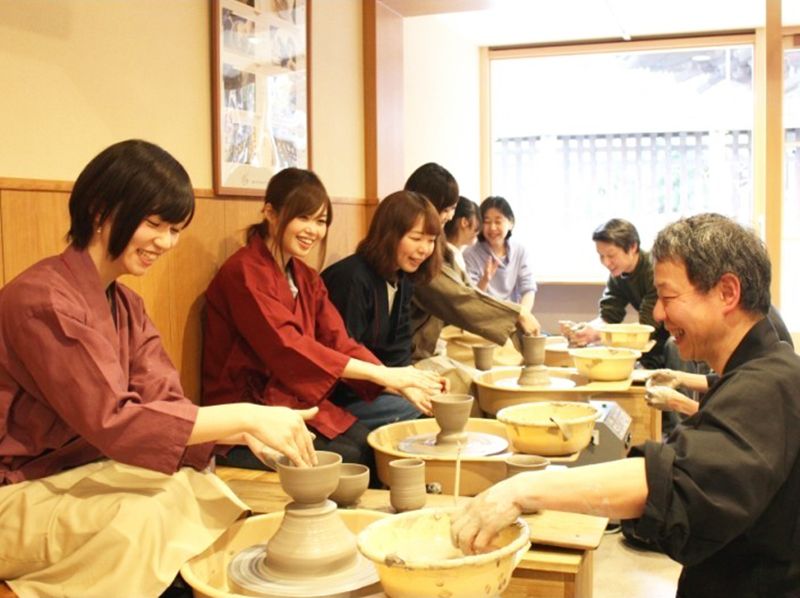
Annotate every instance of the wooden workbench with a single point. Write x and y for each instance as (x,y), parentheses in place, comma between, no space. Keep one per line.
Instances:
(559,564)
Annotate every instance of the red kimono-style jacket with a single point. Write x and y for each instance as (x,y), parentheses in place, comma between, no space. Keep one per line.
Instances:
(262,345)
(77,385)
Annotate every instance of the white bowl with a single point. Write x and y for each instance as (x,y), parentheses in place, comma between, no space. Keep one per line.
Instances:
(605,363)
(632,336)
(415,557)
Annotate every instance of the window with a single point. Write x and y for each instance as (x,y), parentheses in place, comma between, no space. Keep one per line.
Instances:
(648,136)
(790,218)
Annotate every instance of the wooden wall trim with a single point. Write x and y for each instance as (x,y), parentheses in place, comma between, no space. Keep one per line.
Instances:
(15,184)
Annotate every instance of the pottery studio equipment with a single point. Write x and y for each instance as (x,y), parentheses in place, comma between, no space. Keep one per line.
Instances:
(310,549)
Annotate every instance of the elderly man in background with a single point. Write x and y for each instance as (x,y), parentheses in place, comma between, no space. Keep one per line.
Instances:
(721,495)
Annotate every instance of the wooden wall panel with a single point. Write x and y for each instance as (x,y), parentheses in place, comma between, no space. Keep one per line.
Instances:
(34,226)
(34,219)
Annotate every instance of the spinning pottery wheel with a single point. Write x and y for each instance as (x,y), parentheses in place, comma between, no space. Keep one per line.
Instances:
(208,574)
(477,472)
(498,388)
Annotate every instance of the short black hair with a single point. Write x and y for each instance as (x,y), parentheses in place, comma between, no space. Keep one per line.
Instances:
(618,232)
(124,184)
(436,183)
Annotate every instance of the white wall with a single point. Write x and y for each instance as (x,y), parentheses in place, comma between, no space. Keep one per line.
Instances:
(441,103)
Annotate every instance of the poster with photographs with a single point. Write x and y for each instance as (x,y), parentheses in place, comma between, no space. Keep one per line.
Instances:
(260,92)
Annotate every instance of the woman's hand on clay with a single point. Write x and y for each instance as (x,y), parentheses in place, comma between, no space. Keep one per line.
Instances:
(402,378)
(284,430)
(420,399)
(476,524)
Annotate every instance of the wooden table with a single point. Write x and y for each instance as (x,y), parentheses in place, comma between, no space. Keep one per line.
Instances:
(559,564)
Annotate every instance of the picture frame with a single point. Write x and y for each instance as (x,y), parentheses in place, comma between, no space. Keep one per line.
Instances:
(260,92)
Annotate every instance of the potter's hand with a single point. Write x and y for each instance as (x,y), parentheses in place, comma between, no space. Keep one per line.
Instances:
(284,430)
(528,323)
(476,524)
(420,399)
(401,378)
(667,378)
(665,398)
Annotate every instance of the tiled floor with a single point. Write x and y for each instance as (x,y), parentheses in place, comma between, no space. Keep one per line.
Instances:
(624,572)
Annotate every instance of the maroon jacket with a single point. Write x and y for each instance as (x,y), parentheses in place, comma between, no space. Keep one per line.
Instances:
(262,345)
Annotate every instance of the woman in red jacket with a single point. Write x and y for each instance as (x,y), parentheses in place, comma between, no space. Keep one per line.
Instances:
(272,336)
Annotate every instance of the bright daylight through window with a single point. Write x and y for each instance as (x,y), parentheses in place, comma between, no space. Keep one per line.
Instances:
(646,136)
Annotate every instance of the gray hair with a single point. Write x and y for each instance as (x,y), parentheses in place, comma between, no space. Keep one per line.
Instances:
(711,245)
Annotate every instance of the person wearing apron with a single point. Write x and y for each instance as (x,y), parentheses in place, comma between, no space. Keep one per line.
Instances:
(104,488)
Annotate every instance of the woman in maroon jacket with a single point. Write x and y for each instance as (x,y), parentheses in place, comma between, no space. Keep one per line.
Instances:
(273,337)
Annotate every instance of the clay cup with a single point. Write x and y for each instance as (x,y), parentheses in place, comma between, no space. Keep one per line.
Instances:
(407,484)
(483,356)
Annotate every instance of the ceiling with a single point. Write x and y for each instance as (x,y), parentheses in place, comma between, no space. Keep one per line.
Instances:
(510,22)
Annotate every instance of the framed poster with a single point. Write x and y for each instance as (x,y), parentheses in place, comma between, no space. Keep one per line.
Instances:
(260,92)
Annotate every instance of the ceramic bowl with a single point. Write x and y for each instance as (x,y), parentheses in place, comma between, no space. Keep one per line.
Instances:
(549,428)
(353,482)
(632,336)
(605,364)
(521,463)
(415,557)
(310,485)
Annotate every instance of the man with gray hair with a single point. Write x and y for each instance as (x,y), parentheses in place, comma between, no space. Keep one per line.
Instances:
(722,494)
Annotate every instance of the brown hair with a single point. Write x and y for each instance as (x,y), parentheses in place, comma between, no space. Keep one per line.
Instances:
(395,216)
(293,193)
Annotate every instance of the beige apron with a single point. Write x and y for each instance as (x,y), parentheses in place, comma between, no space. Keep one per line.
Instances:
(108,529)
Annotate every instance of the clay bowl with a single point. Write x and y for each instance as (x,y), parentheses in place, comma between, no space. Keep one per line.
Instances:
(549,428)
(632,336)
(521,463)
(605,363)
(416,559)
(353,482)
(207,573)
(477,473)
(310,485)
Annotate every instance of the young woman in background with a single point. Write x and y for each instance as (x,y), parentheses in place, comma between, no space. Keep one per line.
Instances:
(372,290)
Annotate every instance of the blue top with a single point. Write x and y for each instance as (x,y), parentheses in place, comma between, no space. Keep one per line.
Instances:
(513,277)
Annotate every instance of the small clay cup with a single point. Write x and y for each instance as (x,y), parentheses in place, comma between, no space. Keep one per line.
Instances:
(353,482)
(520,463)
(452,414)
(407,484)
(483,356)
(310,485)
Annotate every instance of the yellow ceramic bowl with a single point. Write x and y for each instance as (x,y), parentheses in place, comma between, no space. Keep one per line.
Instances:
(416,559)
(632,336)
(549,428)
(605,364)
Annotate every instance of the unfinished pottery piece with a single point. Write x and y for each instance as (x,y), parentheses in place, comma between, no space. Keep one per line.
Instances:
(415,557)
(353,482)
(452,413)
(534,372)
(521,463)
(483,356)
(211,573)
(310,485)
(407,484)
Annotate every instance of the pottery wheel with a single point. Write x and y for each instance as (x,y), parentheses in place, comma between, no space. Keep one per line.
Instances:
(247,576)
(479,444)
(556,383)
